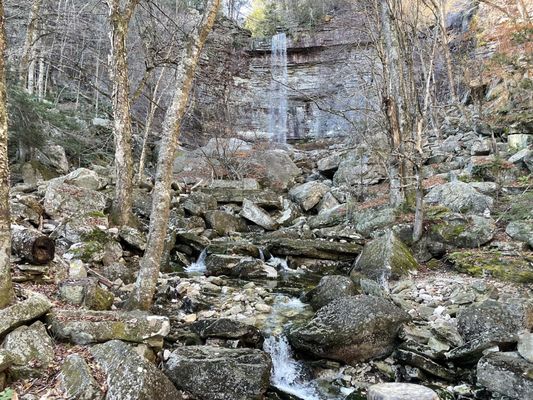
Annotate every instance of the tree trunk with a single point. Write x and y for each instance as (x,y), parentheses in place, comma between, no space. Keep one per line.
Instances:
(143,292)
(29,46)
(119,20)
(32,245)
(6,286)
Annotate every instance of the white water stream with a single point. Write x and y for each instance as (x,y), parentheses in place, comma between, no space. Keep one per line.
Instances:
(278,89)
(199,265)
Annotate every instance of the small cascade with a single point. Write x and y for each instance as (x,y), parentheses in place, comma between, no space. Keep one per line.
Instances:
(278,89)
(288,374)
(199,265)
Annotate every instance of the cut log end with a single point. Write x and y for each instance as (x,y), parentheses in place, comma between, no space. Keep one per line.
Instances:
(43,250)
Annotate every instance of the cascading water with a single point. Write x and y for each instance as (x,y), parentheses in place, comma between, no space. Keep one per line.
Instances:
(278,89)
(199,265)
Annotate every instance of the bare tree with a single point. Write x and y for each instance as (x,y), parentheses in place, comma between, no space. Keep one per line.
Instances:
(143,292)
(6,286)
(119,19)
(28,59)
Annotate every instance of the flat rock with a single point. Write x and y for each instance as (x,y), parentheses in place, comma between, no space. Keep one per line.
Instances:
(400,391)
(225,328)
(22,312)
(85,327)
(213,373)
(130,376)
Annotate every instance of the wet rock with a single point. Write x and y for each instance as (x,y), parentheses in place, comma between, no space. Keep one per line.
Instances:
(31,349)
(136,378)
(257,215)
(62,200)
(493,321)
(77,381)
(351,329)
(233,247)
(197,242)
(228,329)
(213,373)
(23,312)
(525,345)
(238,267)
(331,287)
(400,391)
(308,194)
(198,203)
(507,374)
(317,249)
(383,259)
(459,197)
(84,327)
(224,223)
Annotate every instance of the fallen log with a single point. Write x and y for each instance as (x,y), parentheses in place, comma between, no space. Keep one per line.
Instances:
(32,245)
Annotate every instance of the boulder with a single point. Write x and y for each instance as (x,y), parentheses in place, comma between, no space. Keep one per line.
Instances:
(133,237)
(357,167)
(369,220)
(87,292)
(228,329)
(233,247)
(459,197)
(400,391)
(289,213)
(308,194)
(383,259)
(257,215)
(519,141)
(330,288)
(351,329)
(31,349)
(465,232)
(328,165)
(77,381)
(262,198)
(317,249)
(238,267)
(198,203)
(507,374)
(130,376)
(84,327)
(76,229)
(62,200)
(23,312)
(224,223)
(330,217)
(81,177)
(213,373)
(276,168)
(327,203)
(525,345)
(6,360)
(241,184)
(521,231)
(494,321)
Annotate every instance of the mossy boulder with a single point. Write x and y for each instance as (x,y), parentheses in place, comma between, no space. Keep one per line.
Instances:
(32,351)
(507,267)
(77,381)
(384,258)
(85,327)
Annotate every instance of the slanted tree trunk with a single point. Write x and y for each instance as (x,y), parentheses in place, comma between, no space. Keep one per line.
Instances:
(27,61)
(119,19)
(6,286)
(143,292)
(32,245)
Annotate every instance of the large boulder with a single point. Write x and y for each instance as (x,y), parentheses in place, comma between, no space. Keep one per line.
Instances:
(382,259)
(459,197)
(308,194)
(198,203)
(23,312)
(331,287)
(334,216)
(130,376)
(213,373)
(85,327)
(507,374)
(77,381)
(31,349)
(351,329)
(358,168)
(224,223)
(62,200)
(463,231)
(81,177)
(371,219)
(257,215)
(276,168)
(495,322)
(521,231)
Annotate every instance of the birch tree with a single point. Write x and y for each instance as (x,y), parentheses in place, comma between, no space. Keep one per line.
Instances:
(143,292)
(28,59)
(119,19)
(6,286)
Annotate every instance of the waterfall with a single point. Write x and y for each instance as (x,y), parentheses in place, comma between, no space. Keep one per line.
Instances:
(278,89)
(287,373)
(199,265)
